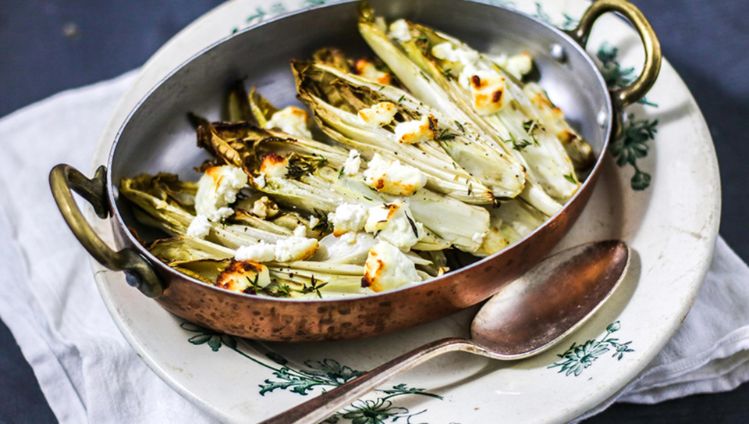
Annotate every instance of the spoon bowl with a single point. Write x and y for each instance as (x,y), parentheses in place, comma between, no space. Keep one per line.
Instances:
(527,317)
(550,301)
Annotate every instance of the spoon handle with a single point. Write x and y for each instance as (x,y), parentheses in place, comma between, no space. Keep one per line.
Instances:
(319,408)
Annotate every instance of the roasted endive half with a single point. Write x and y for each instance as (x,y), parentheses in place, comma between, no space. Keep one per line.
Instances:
(213,263)
(164,202)
(510,222)
(462,83)
(308,175)
(579,151)
(382,119)
(167,203)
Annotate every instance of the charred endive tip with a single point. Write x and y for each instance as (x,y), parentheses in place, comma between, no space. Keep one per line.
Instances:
(261,109)
(236,105)
(366,12)
(332,56)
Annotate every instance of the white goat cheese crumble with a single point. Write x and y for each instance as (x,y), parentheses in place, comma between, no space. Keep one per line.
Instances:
(412,132)
(392,177)
(379,114)
(395,224)
(313,221)
(291,120)
(399,30)
(387,268)
(518,65)
(446,51)
(353,163)
(487,87)
(348,217)
(274,166)
(261,252)
(300,231)
(368,70)
(199,227)
(260,181)
(241,276)
(294,248)
(218,188)
(377,218)
(488,90)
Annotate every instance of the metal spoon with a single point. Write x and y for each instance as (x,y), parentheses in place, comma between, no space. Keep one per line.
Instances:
(527,317)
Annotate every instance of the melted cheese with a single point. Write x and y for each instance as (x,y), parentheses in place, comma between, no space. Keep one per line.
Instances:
(392,177)
(395,224)
(244,276)
(218,188)
(289,249)
(399,30)
(412,132)
(348,217)
(379,114)
(488,90)
(446,51)
(387,268)
(295,248)
(274,166)
(518,65)
(353,163)
(367,70)
(260,252)
(291,120)
(199,227)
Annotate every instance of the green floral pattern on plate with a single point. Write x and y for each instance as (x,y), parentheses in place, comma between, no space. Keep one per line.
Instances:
(633,145)
(633,142)
(581,356)
(324,374)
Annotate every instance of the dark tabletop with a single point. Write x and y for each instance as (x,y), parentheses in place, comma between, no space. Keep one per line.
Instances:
(51,45)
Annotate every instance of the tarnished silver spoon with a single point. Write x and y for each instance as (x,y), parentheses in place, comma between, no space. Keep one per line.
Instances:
(527,317)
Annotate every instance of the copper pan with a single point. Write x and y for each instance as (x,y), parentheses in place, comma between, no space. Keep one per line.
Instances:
(157,137)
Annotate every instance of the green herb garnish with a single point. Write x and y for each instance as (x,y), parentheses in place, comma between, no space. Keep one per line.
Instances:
(518,145)
(445,135)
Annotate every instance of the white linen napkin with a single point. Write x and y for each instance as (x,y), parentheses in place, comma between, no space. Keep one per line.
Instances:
(89,373)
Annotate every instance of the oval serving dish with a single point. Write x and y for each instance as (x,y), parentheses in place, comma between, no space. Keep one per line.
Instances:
(155,136)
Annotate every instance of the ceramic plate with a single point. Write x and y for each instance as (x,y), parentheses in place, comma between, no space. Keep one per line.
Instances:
(659,191)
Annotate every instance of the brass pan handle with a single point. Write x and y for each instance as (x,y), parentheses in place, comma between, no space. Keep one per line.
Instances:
(624,96)
(63,180)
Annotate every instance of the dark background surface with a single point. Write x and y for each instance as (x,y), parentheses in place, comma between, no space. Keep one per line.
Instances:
(51,45)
